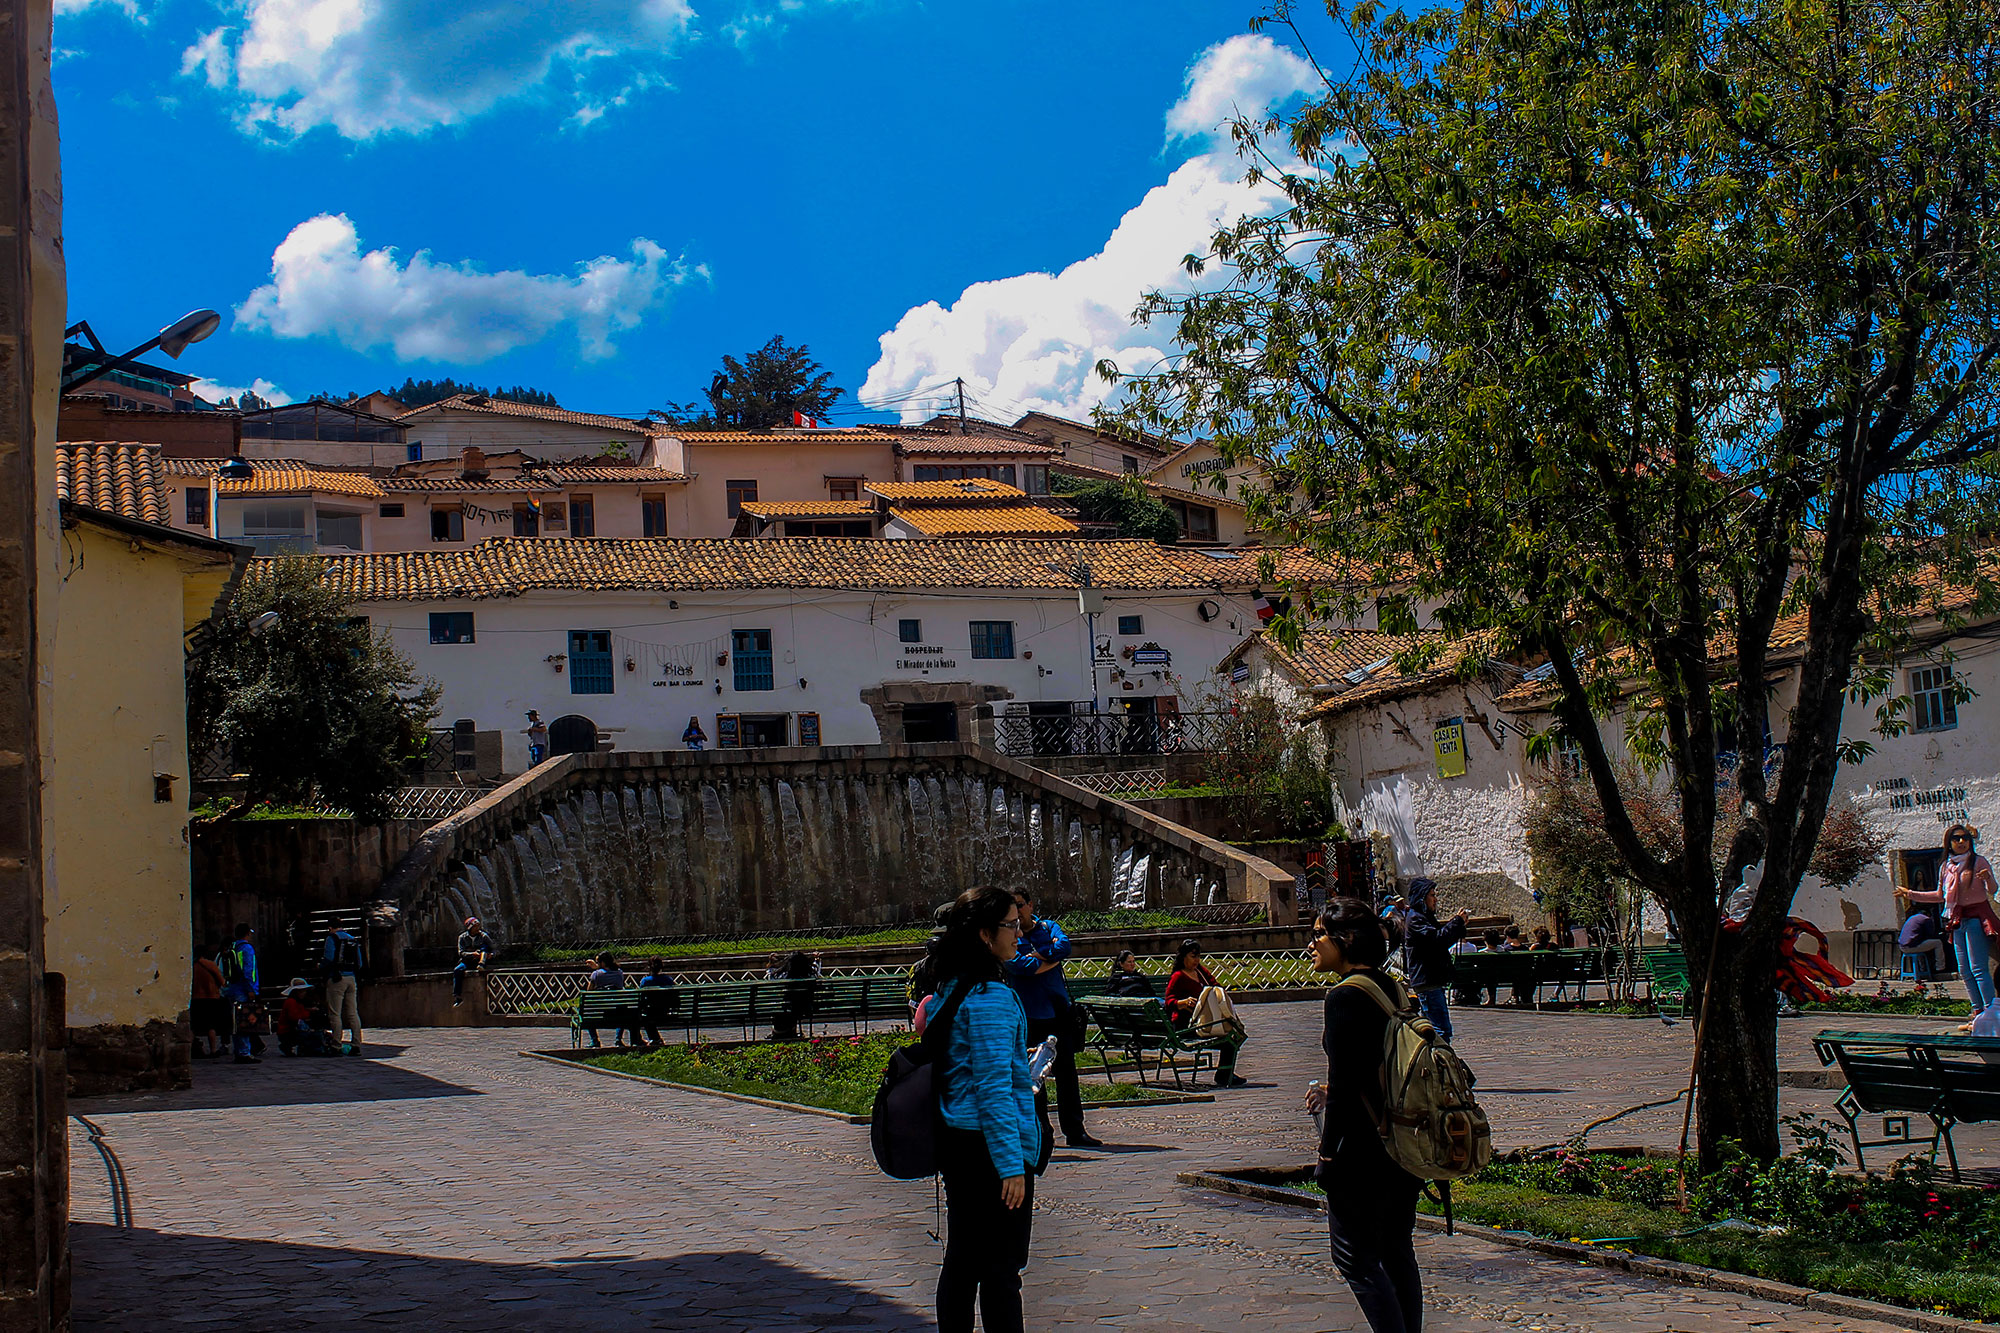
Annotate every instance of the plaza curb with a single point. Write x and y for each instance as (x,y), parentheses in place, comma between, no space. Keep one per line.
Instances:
(1666,1270)
(1178,1099)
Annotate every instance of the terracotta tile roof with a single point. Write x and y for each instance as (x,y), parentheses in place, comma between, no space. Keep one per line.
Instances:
(1325,656)
(785,435)
(810,508)
(1213,499)
(1453,662)
(282,476)
(973,490)
(501,407)
(521,485)
(952,443)
(968,521)
(123,479)
(600,474)
(1146,441)
(510,566)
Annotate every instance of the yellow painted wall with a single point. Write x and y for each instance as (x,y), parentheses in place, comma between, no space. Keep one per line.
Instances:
(117,904)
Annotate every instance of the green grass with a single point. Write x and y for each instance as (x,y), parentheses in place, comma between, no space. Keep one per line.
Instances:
(1934,1269)
(1076,923)
(837,1073)
(211,809)
(1932,1004)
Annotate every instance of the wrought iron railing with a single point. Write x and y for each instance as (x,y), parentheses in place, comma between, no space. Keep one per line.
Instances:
(1109,734)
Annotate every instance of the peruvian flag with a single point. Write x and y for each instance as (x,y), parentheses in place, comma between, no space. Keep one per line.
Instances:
(801,419)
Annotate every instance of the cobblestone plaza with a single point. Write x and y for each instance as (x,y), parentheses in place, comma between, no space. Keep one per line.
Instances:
(449,1183)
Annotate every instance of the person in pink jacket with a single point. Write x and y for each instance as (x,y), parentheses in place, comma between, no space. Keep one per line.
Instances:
(1967,889)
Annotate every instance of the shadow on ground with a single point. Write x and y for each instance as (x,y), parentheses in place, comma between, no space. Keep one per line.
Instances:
(128,1279)
(285,1081)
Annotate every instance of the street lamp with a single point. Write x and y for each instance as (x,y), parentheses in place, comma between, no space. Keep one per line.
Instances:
(173,340)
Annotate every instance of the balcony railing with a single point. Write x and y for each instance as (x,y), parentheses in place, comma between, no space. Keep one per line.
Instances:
(1109,734)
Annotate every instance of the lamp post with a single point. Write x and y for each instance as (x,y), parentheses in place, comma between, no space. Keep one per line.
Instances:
(1090,602)
(173,340)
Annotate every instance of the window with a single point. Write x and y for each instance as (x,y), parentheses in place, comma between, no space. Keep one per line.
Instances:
(992,638)
(1932,705)
(276,519)
(582,516)
(197,506)
(740,493)
(750,651)
(340,528)
(843,488)
(653,515)
(555,514)
(415,452)
(590,661)
(1131,624)
(964,471)
(910,631)
(1035,478)
(391,510)
(527,523)
(1127,462)
(447,525)
(451,627)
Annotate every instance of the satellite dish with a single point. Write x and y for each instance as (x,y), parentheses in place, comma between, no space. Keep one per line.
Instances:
(1207,610)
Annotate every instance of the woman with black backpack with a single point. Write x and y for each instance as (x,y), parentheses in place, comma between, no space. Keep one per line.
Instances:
(991,1140)
(1371,1202)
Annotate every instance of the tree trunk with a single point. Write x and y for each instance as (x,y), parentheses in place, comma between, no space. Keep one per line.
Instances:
(1738,1095)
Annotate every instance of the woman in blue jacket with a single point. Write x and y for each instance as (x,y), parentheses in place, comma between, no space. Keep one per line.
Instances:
(991,1140)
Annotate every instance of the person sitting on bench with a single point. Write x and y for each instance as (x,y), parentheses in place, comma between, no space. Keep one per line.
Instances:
(1920,935)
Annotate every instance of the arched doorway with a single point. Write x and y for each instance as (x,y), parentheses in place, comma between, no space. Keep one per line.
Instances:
(572,734)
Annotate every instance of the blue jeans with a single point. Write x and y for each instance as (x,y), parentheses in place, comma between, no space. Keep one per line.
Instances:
(458,979)
(1435,1005)
(239,1042)
(1975,961)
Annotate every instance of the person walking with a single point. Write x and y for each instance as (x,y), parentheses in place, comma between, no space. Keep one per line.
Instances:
(989,1146)
(1966,888)
(1371,1202)
(238,964)
(1427,964)
(341,961)
(1037,973)
(208,1012)
(475,950)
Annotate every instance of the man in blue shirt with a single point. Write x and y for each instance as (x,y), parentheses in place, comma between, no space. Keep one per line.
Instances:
(341,960)
(1037,974)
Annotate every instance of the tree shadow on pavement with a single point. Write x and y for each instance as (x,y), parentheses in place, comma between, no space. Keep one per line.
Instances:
(127,1279)
(284,1081)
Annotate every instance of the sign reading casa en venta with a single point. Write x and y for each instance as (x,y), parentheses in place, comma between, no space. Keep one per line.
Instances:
(1448,744)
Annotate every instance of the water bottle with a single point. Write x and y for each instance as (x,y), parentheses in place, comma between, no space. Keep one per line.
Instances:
(1039,1061)
(1319,1116)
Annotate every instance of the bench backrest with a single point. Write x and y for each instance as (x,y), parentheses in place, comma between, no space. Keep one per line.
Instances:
(1119,1016)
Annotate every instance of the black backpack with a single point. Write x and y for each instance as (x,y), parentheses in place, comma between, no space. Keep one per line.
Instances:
(345,956)
(903,1128)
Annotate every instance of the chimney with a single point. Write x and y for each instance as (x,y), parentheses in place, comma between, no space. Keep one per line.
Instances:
(472,463)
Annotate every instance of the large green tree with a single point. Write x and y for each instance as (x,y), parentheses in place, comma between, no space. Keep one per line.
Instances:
(762,390)
(310,706)
(1628,328)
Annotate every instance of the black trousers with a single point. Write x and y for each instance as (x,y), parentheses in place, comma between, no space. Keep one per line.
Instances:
(986,1246)
(1069,1097)
(1371,1220)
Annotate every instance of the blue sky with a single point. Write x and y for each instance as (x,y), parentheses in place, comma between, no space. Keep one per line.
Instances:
(601,197)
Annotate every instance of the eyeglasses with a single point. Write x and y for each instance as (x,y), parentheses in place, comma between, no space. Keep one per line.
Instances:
(1010,924)
(1960,837)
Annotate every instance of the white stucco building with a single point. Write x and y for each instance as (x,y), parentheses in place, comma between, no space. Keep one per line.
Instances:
(802,641)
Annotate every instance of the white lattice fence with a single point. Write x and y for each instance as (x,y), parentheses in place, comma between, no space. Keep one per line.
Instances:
(1131,782)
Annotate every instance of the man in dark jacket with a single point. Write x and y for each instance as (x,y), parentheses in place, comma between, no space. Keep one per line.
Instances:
(1427,965)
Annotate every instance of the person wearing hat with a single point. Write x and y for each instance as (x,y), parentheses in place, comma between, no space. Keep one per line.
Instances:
(298,1034)
(1427,963)
(475,947)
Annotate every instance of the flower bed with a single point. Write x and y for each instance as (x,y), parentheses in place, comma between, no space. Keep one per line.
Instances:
(1906,1238)
(837,1073)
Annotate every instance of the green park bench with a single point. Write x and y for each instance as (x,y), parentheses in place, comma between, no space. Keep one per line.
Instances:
(1669,984)
(597,1009)
(1951,1078)
(1137,1028)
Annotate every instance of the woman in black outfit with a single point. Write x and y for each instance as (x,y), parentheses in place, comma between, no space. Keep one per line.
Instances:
(1371,1203)
(1127,980)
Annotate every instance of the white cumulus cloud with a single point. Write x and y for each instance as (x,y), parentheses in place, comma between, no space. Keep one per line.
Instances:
(215,391)
(324,285)
(1032,341)
(129,8)
(372,67)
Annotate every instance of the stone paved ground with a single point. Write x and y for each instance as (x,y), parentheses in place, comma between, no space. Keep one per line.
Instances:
(448,1183)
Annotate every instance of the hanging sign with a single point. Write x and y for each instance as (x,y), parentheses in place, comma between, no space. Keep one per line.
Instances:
(808,728)
(1448,744)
